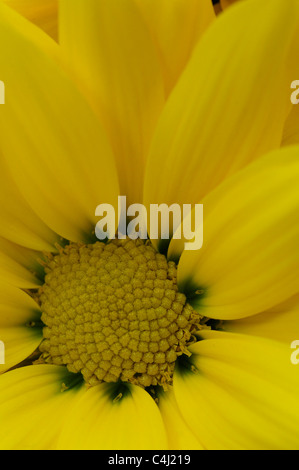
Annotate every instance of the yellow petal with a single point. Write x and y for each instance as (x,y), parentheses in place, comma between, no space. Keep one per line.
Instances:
(250,258)
(19,223)
(43,13)
(19,266)
(61,159)
(33,407)
(179,434)
(111,52)
(230,104)
(291,128)
(19,325)
(103,419)
(169,22)
(243,396)
(280,323)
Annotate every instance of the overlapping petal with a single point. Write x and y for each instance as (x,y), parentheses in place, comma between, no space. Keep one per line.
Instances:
(33,407)
(176,27)
(280,323)
(179,434)
(225,112)
(61,159)
(43,13)
(20,266)
(19,331)
(110,50)
(113,422)
(19,223)
(250,257)
(244,394)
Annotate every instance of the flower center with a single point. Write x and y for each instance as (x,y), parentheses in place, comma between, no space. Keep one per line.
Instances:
(113,312)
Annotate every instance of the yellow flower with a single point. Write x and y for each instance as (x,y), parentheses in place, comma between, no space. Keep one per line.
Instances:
(164,103)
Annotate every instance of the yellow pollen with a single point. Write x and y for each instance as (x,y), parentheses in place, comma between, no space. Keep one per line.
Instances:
(113,312)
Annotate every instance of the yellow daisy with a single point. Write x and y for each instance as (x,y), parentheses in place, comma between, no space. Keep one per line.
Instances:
(132,345)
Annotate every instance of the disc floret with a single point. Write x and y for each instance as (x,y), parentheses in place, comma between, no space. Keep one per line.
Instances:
(113,312)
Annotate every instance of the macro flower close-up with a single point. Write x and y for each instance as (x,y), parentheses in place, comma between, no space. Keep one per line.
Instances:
(116,334)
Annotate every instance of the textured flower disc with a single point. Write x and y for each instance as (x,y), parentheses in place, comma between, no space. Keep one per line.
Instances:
(113,312)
